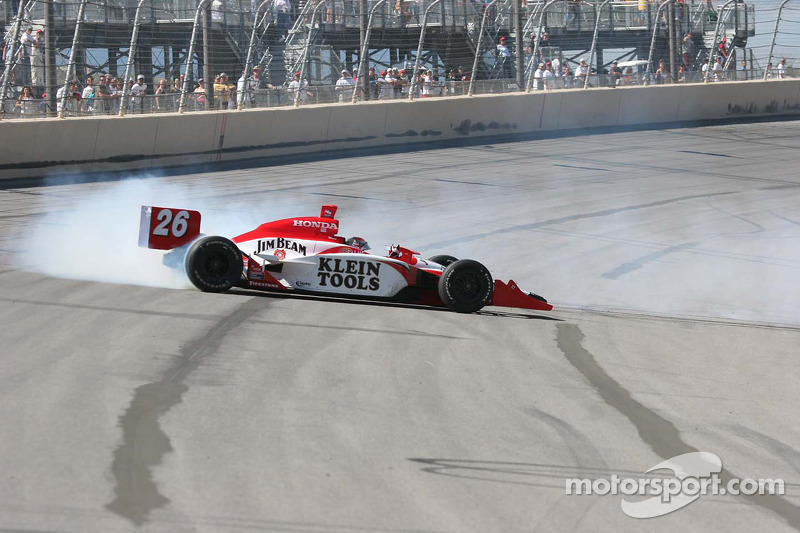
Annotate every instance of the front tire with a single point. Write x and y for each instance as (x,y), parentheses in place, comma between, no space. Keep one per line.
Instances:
(466,286)
(214,264)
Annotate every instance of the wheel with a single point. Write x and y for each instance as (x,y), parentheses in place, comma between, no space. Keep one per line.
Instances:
(214,264)
(443,260)
(466,286)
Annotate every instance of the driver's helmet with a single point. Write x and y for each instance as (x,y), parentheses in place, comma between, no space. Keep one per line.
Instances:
(357,242)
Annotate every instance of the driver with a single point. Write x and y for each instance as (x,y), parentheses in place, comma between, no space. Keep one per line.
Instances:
(358,242)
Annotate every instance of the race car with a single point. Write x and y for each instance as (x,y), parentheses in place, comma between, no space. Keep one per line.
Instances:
(307,255)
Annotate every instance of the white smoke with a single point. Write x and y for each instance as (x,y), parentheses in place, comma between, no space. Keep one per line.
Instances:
(94,235)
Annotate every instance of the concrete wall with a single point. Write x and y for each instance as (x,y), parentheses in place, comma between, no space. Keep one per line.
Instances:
(51,146)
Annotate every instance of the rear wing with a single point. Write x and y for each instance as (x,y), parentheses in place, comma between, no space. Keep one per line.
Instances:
(165,228)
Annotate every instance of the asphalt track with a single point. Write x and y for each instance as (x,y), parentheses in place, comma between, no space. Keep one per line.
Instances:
(671,256)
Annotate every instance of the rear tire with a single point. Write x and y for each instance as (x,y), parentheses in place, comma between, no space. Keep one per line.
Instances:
(214,264)
(466,286)
(444,260)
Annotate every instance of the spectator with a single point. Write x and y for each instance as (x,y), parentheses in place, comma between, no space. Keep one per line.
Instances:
(616,74)
(573,12)
(628,76)
(452,83)
(8,52)
(242,91)
(217,14)
(385,82)
(224,92)
(742,74)
(547,76)
(37,59)
(768,73)
(71,107)
(25,103)
(282,8)
(163,102)
(138,91)
(199,94)
(24,56)
(663,74)
(428,84)
(252,89)
(397,86)
(88,96)
(102,95)
(26,41)
(529,43)
(717,69)
(567,77)
(688,49)
(556,65)
(116,95)
(781,69)
(545,40)
(538,78)
(723,49)
(299,89)
(581,72)
(373,80)
(706,70)
(681,74)
(504,57)
(344,87)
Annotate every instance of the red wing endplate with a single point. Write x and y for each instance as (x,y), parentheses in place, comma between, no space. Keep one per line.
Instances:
(165,228)
(510,295)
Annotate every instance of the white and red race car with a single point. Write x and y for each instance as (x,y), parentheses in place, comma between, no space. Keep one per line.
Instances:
(306,255)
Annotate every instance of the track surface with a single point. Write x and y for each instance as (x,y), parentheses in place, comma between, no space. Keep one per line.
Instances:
(672,257)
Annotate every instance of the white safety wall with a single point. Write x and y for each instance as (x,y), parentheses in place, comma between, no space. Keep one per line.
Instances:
(53,146)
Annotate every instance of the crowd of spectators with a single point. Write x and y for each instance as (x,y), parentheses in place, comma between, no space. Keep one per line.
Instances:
(103,95)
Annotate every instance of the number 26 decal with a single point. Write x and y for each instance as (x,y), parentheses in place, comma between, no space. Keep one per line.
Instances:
(179,223)
(165,228)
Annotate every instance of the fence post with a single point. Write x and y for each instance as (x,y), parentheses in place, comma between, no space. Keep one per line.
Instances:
(11,64)
(208,60)
(304,58)
(190,54)
(774,36)
(362,59)
(71,65)
(597,14)
(123,103)
(535,50)
(486,9)
(251,47)
(653,39)
(720,23)
(419,48)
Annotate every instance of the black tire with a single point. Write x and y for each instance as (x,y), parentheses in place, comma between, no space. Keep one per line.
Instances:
(466,286)
(214,264)
(443,260)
